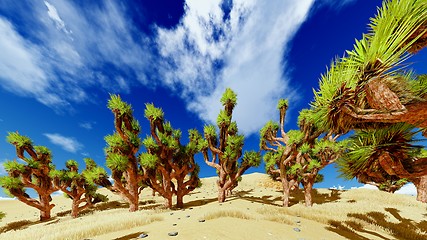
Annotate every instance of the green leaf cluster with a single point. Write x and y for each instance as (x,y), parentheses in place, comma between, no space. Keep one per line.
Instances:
(116,104)
(14,166)
(252,158)
(18,140)
(117,162)
(229,97)
(152,113)
(148,160)
(283,104)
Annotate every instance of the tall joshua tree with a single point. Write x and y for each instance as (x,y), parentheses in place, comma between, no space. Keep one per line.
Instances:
(81,187)
(34,173)
(121,153)
(280,147)
(297,156)
(167,160)
(226,149)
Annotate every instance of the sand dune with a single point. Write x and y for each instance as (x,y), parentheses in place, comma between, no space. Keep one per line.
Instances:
(252,212)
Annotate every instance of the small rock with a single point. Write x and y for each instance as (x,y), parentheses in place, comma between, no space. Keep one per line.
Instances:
(202,220)
(172,234)
(143,235)
(187,216)
(174,224)
(171,213)
(298,221)
(297,230)
(179,218)
(191,208)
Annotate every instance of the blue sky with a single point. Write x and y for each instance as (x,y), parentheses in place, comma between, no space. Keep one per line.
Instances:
(60,60)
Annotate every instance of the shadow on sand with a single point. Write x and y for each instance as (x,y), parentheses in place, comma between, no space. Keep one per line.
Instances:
(296,197)
(23,224)
(400,228)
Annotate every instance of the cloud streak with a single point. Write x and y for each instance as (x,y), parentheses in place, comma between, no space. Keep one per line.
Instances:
(211,50)
(69,49)
(66,143)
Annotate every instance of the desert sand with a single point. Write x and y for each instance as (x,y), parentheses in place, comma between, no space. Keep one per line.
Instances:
(253,211)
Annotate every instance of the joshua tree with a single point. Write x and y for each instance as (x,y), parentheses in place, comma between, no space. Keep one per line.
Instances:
(121,153)
(297,156)
(368,88)
(278,159)
(81,187)
(167,162)
(34,173)
(384,155)
(226,149)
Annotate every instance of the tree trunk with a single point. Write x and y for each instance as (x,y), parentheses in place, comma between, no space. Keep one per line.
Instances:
(168,202)
(286,192)
(45,207)
(308,186)
(179,199)
(74,209)
(421,185)
(133,204)
(221,195)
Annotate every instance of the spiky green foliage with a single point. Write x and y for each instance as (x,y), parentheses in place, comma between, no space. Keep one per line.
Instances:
(223,118)
(396,32)
(283,103)
(148,160)
(229,97)
(367,145)
(116,104)
(117,162)
(14,167)
(151,112)
(2,215)
(19,140)
(295,136)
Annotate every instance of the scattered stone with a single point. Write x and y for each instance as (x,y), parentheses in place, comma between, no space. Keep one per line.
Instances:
(143,235)
(172,234)
(202,220)
(171,213)
(247,208)
(174,224)
(191,208)
(179,218)
(187,216)
(298,216)
(297,230)
(298,221)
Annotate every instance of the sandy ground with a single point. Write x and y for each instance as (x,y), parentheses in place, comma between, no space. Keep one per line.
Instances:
(255,199)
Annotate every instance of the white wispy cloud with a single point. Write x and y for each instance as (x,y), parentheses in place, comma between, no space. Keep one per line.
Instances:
(248,46)
(66,143)
(67,48)
(53,14)
(87,125)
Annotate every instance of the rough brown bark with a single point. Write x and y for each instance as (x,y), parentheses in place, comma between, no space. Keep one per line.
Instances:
(133,205)
(286,192)
(308,187)
(45,207)
(421,185)
(221,195)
